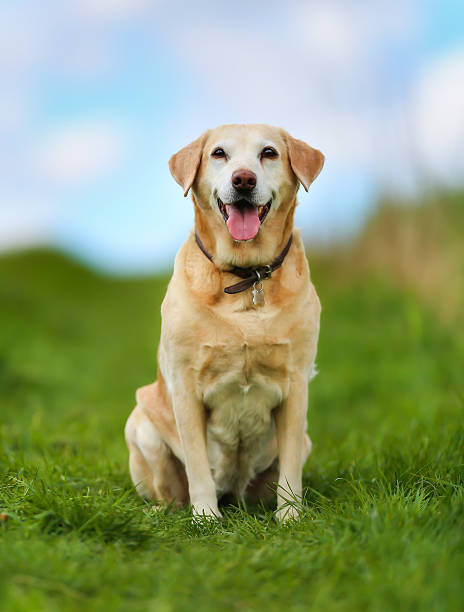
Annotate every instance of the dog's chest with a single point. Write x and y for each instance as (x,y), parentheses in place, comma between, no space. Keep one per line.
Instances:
(244,370)
(242,383)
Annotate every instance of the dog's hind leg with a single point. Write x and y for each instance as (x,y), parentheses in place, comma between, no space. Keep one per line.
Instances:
(156,472)
(140,471)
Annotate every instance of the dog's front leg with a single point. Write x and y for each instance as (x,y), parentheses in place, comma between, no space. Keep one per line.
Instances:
(290,421)
(191,422)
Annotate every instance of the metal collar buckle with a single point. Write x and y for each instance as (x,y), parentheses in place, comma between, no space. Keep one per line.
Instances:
(268,272)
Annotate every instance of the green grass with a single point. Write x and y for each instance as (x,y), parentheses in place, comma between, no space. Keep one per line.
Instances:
(383,519)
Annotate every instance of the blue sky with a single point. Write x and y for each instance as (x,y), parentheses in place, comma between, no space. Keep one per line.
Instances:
(99,93)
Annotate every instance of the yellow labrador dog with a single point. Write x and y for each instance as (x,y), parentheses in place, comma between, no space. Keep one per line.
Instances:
(240,324)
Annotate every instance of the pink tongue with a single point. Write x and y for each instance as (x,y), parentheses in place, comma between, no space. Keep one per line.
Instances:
(243,223)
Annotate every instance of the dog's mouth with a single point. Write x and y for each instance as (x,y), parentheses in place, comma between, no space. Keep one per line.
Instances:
(242,218)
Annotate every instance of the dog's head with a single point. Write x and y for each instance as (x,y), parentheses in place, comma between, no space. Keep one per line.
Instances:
(245,177)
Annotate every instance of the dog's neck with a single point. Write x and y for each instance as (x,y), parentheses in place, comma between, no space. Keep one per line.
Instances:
(260,251)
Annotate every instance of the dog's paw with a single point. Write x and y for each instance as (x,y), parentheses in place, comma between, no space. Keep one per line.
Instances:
(287,513)
(206,511)
(159,507)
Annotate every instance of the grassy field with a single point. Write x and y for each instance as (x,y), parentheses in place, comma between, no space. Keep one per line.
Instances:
(383,520)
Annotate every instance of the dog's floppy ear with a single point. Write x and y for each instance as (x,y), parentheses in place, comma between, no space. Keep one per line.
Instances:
(305,161)
(185,163)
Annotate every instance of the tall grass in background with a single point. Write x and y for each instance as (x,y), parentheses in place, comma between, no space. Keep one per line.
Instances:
(418,244)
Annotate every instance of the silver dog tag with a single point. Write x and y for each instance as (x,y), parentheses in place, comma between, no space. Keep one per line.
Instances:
(258,294)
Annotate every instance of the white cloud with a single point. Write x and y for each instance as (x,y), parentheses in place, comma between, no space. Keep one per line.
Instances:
(14,112)
(23,40)
(316,71)
(340,34)
(108,11)
(78,38)
(80,151)
(438,119)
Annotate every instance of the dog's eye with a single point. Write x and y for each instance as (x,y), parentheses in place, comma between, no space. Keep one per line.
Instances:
(218,152)
(268,152)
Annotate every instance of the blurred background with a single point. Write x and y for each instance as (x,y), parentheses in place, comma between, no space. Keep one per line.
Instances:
(97,94)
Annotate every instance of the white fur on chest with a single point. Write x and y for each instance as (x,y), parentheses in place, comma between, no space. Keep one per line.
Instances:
(241,387)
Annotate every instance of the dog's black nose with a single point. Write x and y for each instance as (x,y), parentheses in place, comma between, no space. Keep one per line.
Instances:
(244,180)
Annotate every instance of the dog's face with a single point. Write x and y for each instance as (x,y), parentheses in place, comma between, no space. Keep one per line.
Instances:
(244,173)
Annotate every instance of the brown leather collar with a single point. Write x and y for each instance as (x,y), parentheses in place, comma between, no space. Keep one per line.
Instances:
(250,275)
